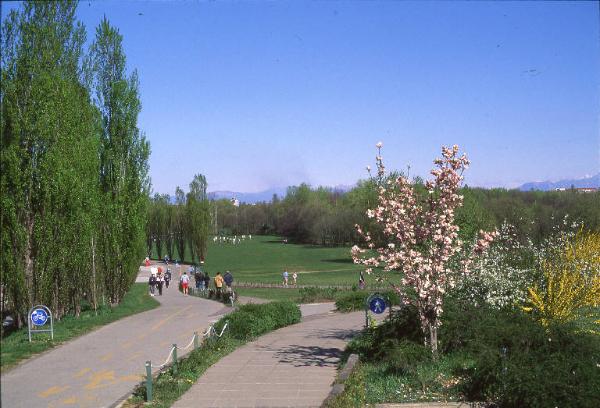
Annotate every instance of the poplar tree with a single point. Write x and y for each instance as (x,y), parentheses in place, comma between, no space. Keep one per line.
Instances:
(124,154)
(198,216)
(179,223)
(48,162)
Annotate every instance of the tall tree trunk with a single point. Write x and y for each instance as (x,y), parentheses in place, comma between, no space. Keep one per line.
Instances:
(94,295)
(433,332)
(29,285)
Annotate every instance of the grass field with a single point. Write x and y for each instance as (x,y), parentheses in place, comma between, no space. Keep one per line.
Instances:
(291,294)
(16,346)
(264,258)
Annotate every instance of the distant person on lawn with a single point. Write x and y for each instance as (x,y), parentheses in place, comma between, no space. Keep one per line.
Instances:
(185,280)
(295,278)
(285,277)
(219,284)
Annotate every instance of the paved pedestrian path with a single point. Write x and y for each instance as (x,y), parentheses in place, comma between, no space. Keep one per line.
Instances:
(99,368)
(290,367)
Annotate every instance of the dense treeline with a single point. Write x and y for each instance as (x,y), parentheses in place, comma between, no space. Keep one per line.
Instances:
(327,217)
(174,226)
(74,165)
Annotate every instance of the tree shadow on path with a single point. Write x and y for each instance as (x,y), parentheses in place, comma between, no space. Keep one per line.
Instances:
(303,356)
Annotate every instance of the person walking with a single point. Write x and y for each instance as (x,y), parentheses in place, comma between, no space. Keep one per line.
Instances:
(228,278)
(199,279)
(160,280)
(185,280)
(206,281)
(152,283)
(167,277)
(219,284)
(361,280)
(295,278)
(285,277)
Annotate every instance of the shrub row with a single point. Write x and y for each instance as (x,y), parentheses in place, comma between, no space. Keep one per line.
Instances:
(503,357)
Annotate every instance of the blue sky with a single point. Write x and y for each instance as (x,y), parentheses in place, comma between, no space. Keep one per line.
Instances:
(269,94)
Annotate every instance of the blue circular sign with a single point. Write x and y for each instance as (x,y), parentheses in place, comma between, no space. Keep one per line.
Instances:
(39,317)
(377,304)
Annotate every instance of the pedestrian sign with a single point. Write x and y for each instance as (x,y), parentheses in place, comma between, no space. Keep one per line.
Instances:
(39,317)
(377,304)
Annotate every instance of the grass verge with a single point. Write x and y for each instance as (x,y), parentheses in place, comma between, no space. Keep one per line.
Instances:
(16,346)
(245,324)
(291,294)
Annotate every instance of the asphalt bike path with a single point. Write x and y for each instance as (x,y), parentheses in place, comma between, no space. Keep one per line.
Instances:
(99,368)
(291,367)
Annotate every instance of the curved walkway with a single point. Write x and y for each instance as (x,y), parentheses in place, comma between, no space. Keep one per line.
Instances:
(290,367)
(99,368)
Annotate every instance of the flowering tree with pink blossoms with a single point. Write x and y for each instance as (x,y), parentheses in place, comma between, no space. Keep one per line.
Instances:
(420,237)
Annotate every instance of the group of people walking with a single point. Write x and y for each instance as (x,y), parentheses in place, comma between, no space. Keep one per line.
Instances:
(286,278)
(157,280)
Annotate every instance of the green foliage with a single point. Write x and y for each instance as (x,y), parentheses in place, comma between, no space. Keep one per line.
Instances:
(253,320)
(314,294)
(324,216)
(16,346)
(518,362)
(76,170)
(354,394)
(198,217)
(499,356)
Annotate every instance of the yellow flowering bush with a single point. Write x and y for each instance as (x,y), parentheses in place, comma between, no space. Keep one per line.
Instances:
(571,280)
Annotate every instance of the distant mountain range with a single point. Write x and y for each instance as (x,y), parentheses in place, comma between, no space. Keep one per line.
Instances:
(593,181)
(261,196)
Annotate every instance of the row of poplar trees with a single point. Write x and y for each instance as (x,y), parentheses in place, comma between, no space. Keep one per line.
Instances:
(74,165)
(174,226)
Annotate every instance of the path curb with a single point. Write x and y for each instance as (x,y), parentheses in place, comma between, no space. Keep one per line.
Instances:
(338,386)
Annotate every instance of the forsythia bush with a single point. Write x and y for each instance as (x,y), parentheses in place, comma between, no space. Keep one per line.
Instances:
(571,280)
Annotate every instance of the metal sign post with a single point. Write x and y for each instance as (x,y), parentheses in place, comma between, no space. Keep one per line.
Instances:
(38,316)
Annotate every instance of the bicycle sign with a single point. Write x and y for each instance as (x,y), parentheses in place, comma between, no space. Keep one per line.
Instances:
(38,317)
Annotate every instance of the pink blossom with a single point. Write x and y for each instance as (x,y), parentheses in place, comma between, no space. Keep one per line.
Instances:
(421,235)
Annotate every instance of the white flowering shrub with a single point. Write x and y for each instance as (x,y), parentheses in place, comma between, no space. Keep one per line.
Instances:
(502,275)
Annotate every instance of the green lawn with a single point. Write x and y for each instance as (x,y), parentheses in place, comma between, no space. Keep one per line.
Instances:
(16,346)
(264,258)
(291,294)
